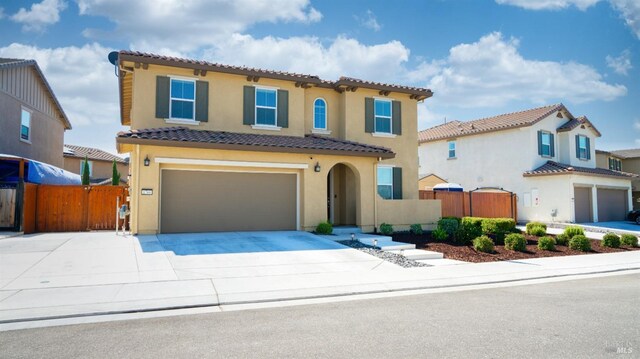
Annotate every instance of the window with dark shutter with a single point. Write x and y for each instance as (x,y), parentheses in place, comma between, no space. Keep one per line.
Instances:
(162,97)
(202,101)
(397,118)
(368,115)
(249,106)
(397,183)
(283,108)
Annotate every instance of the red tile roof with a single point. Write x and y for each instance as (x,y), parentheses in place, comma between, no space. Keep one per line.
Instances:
(555,168)
(490,124)
(182,136)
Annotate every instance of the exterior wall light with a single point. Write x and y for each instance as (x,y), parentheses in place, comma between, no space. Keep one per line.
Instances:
(317,167)
(147,161)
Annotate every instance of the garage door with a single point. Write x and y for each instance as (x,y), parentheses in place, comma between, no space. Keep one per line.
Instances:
(582,203)
(612,205)
(204,201)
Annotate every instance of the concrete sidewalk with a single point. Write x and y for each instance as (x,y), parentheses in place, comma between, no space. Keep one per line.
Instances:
(108,274)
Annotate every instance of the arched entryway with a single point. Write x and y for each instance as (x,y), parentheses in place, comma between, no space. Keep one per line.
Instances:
(342,195)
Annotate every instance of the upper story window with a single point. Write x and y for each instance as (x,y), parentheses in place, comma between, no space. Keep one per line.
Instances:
(452,149)
(183,99)
(546,144)
(382,115)
(90,167)
(582,147)
(266,106)
(320,114)
(615,164)
(25,126)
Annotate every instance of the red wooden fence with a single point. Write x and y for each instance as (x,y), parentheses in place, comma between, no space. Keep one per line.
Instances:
(476,204)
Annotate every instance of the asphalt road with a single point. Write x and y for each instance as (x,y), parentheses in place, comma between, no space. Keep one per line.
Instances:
(587,318)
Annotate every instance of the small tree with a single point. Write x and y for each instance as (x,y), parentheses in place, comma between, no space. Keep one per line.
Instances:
(85,172)
(115,176)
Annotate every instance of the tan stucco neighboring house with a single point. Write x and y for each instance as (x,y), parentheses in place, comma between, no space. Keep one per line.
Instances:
(426,182)
(222,148)
(32,121)
(100,163)
(623,160)
(546,156)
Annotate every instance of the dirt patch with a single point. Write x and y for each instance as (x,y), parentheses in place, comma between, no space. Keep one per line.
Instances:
(468,254)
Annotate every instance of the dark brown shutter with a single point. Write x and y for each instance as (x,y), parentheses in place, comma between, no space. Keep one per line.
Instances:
(552,152)
(588,140)
(249,106)
(396,117)
(397,183)
(577,146)
(162,96)
(283,108)
(369,126)
(202,101)
(540,143)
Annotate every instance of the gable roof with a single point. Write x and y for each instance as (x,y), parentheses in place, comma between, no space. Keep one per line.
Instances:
(6,63)
(185,137)
(431,174)
(555,168)
(91,153)
(579,121)
(490,124)
(624,154)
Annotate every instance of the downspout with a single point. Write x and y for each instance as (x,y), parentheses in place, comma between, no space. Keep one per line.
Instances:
(375,195)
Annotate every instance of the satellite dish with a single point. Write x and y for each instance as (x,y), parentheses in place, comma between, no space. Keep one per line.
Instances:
(113,57)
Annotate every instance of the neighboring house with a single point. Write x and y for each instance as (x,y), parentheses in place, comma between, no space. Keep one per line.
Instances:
(623,160)
(544,155)
(32,122)
(426,182)
(221,148)
(100,163)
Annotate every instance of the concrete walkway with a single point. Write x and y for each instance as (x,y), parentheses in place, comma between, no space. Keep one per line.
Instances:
(75,274)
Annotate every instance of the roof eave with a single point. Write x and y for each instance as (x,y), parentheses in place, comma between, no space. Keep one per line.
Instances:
(235,147)
(578,174)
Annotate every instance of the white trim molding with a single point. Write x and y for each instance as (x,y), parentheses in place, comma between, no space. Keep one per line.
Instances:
(195,161)
(383,134)
(266,127)
(182,122)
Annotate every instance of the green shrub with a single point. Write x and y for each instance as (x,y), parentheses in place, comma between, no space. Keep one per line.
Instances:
(386,229)
(458,219)
(535,224)
(474,221)
(562,239)
(516,230)
(497,225)
(537,231)
(439,235)
(629,240)
(324,228)
(547,243)
(449,225)
(467,232)
(610,240)
(416,229)
(515,242)
(580,243)
(483,244)
(572,231)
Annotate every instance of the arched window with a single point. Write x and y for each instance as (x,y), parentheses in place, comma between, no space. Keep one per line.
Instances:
(320,114)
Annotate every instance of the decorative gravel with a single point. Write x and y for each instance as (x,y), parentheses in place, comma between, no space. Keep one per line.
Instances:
(387,256)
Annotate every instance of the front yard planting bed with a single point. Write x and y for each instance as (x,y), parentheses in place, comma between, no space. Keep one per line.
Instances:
(468,254)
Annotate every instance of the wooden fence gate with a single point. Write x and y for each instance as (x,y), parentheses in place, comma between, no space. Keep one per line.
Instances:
(475,203)
(50,208)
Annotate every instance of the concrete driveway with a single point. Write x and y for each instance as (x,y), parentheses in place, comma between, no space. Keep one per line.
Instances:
(626,226)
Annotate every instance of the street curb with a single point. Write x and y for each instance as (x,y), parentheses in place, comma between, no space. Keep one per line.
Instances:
(310,297)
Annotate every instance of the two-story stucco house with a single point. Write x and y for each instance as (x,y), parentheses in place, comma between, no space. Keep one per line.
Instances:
(222,148)
(544,155)
(32,122)
(623,160)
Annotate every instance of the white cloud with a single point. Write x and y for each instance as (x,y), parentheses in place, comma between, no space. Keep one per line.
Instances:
(40,15)
(369,21)
(342,56)
(636,125)
(621,64)
(187,25)
(629,9)
(491,72)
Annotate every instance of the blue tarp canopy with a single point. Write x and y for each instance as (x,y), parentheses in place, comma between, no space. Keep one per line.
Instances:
(35,172)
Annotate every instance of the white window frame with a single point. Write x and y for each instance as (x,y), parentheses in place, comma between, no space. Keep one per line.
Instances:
(580,148)
(90,167)
(326,125)
(385,167)
(171,98)
(375,116)
(28,139)
(542,144)
(455,150)
(257,125)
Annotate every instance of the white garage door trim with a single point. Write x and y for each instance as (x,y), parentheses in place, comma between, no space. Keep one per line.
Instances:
(297,174)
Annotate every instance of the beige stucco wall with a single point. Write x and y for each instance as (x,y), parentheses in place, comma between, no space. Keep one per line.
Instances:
(47,133)
(403,213)
(101,169)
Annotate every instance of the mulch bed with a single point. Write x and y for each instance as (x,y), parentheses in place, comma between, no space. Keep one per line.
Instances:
(468,254)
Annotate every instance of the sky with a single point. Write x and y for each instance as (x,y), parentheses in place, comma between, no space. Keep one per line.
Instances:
(479,57)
